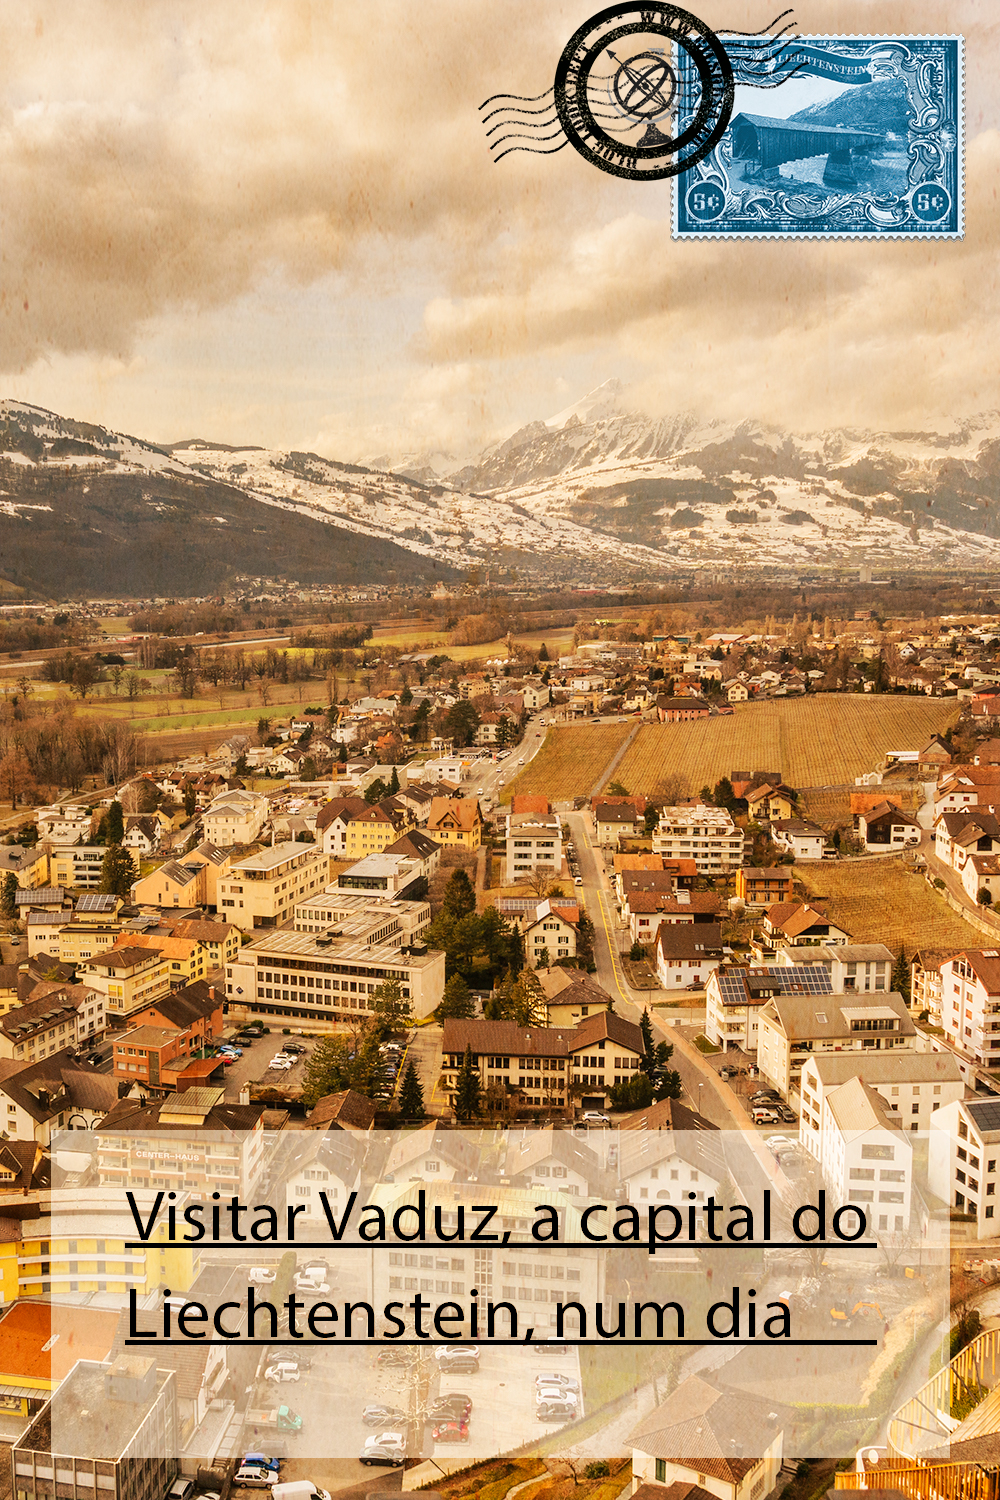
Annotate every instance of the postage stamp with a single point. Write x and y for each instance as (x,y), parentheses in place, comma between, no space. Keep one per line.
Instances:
(864,141)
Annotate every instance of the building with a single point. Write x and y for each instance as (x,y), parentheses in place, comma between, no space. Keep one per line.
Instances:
(913,1084)
(162,1060)
(687,953)
(681,710)
(330,1164)
(534,1060)
(315,977)
(129,977)
(115,1423)
(264,889)
(378,826)
(30,866)
(765,887)
(534,842)
(707,835)
(235,817)
(970,1004)
(958,836)
(765,803)
(604,1049)
(550,937)
(865,1155)
(616,820)
(172,884)
(963,1151)
(791,1027)
(798,837)
(571,995)
(33,1364)
(799,925)
(347,1110)
(734,999)
(421,850)
(432,1154)
(645,911)
(885,826)
(63,824)
(384,876)
(366,915)
(52,1094)
(77,866)
(209,1145)
(721,1427)
(925,982)
(333,820)
(668,1165)
(858,967)
(54,1017)
(455,821)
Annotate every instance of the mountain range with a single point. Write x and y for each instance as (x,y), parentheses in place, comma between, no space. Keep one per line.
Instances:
(599,493)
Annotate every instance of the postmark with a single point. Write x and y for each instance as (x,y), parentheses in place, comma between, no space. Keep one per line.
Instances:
(866,143)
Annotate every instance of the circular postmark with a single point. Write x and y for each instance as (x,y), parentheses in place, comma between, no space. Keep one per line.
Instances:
(644,91)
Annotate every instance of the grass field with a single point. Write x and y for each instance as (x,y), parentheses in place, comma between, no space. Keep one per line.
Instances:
(570,762)
(880,901)
(819,741)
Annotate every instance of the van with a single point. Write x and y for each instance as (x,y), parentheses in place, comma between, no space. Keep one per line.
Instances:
(299,1489)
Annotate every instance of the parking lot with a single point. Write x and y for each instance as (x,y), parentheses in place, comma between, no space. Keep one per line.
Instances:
(332,1395)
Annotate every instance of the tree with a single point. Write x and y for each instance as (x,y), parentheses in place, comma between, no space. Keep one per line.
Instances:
(263,730)
(585,935)
(900,980)
(117,872)
(113,830)
(411,1094)
(467,1090)
(461,722)
(394,782)
(544,959)
(519,998)
(190,801)
(615,789)
(985,897)
(651,818)
(543,654)
(389,1007)
(375,791)
(457,1003)
(85,673)
(8,905)
(637,952)
(459,895)
(633,1092)
(648,1045)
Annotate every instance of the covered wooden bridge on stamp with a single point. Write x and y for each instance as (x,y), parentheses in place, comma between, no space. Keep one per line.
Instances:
(765,143)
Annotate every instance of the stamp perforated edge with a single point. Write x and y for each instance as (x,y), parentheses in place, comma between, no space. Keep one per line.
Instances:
(851,234)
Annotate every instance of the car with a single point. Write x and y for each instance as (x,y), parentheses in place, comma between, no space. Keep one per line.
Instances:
(227,1059)
(385,1448)
(546,1394)
(577,880)
(181,1489)
(556,1411)
(280,1065)
(394,1357)
(777,1140)
(294,1047)
(451,1432)
(261,1276)
(454,1351)
(562,1382)
(549,1347)
(310,1285)
(284,1370)
(520,760)
(255,1476)
(594,1117)
(787,1115)
(449,1409)
(265,1461)
(377,1415)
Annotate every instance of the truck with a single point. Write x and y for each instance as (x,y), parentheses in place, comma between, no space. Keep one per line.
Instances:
(279,1419)
(299,1489)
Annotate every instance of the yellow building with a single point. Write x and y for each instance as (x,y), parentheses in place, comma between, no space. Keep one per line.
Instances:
(31,866)
(79,941)
(264,889)
(373,830)
(129,977)
(456,821)
(81,1256)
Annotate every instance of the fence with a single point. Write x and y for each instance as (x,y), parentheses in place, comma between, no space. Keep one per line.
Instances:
(925,1421)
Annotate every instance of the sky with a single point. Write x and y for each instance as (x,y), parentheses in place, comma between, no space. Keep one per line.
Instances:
(277,222)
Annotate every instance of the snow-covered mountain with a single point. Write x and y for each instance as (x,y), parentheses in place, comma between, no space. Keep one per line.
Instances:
(597,493)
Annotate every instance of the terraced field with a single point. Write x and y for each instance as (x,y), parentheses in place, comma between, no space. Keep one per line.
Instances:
(571,761)
(817,741)
(881,901)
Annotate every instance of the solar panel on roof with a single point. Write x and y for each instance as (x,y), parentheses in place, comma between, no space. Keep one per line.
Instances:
(985,1112)
(95,901)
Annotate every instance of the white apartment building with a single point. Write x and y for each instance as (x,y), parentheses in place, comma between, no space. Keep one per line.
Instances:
(707,835)
(734,999)
(962,1159)
(534,841)
(77,865)
(862,968)
(235,817)
(914,1085)
(264,889)
(793,1027)
(865,1156)
(327,981)
(970,1004)
(63,825)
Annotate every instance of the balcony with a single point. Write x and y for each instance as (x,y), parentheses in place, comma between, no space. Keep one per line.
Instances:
(927,1481)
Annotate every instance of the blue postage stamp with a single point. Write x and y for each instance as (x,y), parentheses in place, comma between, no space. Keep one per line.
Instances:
(864,140)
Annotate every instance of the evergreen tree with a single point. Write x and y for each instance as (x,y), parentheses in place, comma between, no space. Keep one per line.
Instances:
(648,1061)
(901,975)
(457,1003)
(114,824)
(190,801)
(375,791)
(394,782)
(8,906)
(467,1090)
(543,654)
(411,1094)
(389,1008)
(585,936)
(633,1092)
(459,895)
(117,872)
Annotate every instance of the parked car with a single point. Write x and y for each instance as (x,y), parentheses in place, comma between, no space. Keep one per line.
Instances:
(451,1432)
(562,1382)
(556,1411)
(594,1117)
(385,1448)
(450,1410)
(270,1460)
(279,1064)
(255,1475)
(378,1415)
(549,1347)
(284,1370)
(458,1357)
(261,1276)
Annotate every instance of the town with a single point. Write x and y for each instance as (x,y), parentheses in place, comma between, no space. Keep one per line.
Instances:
(635,908)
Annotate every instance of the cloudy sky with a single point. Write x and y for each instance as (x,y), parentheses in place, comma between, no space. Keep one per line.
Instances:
(276,221)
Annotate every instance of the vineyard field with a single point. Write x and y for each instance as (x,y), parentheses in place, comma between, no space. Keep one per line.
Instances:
(831,807)
(880,901)
(571,761)
(819,741)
